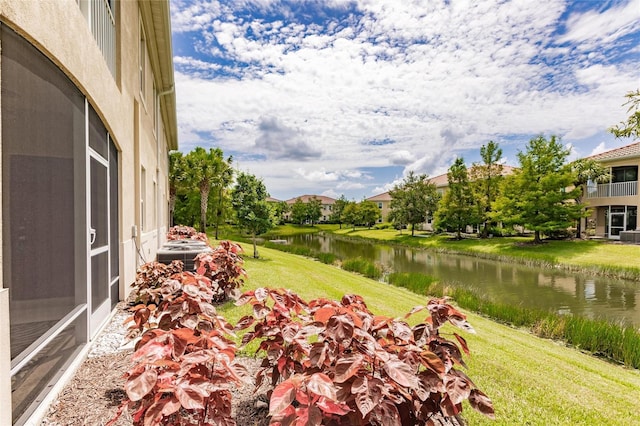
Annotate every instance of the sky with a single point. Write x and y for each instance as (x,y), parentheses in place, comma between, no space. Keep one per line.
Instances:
(345,97)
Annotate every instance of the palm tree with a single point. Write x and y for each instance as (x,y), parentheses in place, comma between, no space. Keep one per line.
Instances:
(205,169)
(225,179)
(177,175)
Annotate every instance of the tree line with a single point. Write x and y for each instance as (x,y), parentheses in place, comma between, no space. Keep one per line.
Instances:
(201,194)
(543,194)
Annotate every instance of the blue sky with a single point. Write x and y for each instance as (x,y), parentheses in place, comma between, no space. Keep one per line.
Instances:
(345,97)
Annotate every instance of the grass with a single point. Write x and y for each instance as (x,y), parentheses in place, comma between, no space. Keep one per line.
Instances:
(591,256)
(616,342)
(363,266)
(530,380)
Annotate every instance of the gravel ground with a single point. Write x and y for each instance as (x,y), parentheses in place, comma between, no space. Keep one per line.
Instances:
(94,394)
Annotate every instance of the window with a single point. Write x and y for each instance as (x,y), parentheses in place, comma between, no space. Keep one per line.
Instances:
(142,63)
(155,204)
(624,174)
(156,111)
(143,197)
(379,205)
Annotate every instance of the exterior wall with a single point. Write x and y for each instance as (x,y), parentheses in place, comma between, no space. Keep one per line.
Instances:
(326,209)
(141,134)
(383,201)
(600,205)
(631,200)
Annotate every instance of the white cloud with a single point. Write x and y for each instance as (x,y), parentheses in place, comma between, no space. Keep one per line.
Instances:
(349,185)
(318,175)
(599,149)
(331,193)
(603,27)
(280,141)
(402,158)
(431,78)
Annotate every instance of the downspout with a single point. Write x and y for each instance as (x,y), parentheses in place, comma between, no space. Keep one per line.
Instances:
(160,239)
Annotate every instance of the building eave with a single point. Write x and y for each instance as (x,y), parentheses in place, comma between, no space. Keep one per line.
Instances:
(156,18)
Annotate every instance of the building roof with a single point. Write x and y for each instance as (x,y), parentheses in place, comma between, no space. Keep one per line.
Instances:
(157,22)
(385,196)
(306,198)
(272,200)
(440,180)
(631,150)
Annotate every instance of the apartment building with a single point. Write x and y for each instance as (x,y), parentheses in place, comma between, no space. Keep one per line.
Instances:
(383,201)
(615,204)
(87,117)
(326,202)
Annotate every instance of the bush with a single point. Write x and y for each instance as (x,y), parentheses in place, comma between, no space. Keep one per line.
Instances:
(182,232)
(383,225)
(184,361)
(150,276)
(362,266)
(223,266)
(336,363)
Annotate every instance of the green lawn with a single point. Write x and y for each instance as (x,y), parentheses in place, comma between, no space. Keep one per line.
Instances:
(530,380)
(604,256)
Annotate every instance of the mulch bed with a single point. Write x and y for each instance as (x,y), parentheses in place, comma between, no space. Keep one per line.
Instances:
(94,394)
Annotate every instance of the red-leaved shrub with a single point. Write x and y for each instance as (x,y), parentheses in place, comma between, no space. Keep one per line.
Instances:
(337,363)
(224,267)
(181,232)
(184,360)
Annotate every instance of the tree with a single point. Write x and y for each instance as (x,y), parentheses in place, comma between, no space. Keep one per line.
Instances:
(298,212)
(313,210)
(457,208)
(369,212)
(280,208)
(587,170)
(413,200)
(485,180)
(351,214)
(249,200)
(338,209)
(177,177)
(539,195)
(221,183)
(630,128)
(205,170)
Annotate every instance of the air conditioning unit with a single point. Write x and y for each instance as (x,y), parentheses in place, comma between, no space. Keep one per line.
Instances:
(184,250)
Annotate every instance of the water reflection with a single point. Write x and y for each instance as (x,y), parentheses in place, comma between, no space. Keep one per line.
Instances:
(577,294)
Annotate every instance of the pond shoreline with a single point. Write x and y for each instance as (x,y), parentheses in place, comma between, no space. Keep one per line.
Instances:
(604,271)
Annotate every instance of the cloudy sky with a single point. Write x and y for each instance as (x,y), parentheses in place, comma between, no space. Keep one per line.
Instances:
(345,97)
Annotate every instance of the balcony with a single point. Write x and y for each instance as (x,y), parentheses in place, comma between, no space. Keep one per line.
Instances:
(99,15)
(616,189)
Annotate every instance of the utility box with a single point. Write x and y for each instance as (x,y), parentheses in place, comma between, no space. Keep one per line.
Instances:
(630,237)
(183,250)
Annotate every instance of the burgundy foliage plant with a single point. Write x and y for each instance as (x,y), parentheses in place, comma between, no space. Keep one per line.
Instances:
(336,363)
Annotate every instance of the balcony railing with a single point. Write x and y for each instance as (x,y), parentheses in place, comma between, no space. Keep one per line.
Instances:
(617,189)
(100,17)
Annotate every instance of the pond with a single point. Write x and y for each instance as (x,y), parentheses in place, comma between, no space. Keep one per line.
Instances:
(564,292)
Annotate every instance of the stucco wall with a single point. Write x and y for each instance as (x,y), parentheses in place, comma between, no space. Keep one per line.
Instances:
(115,100)
(59,29)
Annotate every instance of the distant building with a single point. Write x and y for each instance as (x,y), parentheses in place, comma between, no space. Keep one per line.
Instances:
(87,116)
(327,205)
(383,201)
(615,204)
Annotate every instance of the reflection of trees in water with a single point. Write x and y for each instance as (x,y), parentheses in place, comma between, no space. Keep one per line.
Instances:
(502,282)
